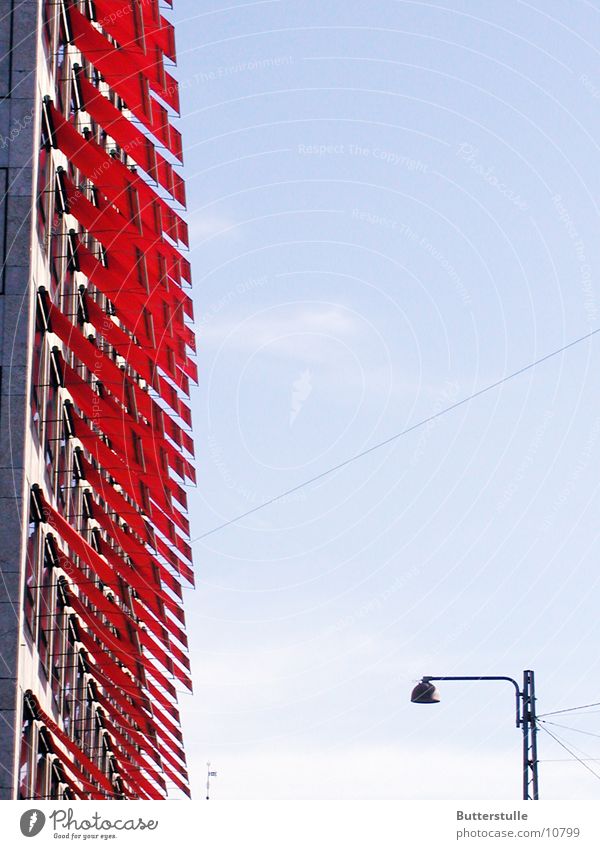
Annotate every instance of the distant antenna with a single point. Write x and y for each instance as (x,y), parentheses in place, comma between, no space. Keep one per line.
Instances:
(209,774)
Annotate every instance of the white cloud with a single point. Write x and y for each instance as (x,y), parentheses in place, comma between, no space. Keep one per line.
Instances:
(309,333)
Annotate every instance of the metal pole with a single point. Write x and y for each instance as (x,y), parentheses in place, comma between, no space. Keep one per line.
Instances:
(525,719)
(534,731)
(525,728)
(530,759)
(208,779)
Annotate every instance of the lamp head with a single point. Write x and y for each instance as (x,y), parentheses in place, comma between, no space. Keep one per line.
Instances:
(425,693)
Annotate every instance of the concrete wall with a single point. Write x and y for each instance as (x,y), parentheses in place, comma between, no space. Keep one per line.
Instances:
(19,134)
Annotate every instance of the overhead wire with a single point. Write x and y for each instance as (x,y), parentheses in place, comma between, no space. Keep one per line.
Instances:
(569,728)
(568,710)
(398,435)
(570,751)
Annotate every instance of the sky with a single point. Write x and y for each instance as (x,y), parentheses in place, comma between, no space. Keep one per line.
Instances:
(391,206)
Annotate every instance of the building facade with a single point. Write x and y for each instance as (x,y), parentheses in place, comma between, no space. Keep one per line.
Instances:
(96,351)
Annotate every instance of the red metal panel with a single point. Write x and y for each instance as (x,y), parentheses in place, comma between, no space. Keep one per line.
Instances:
(77,754)
(136,766)
(143,560)
(128,654)
(157,624)
(146,740)
(137,145)
(126,79)
(112,568)
(127,474)
(120,426)
(165,265)
(134,303)
(123,23)
(121,385)
(115,180)
(124,71)
(136,452)
(114,499)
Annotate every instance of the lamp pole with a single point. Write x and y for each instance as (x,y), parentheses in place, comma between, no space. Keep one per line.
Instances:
(426,693)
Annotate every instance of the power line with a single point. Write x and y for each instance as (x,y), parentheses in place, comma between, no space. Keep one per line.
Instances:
(569,728)
(568,710)
(398,435)
(582,713)
(572,753)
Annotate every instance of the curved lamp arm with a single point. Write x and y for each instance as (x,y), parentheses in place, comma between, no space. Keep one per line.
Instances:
(428,678)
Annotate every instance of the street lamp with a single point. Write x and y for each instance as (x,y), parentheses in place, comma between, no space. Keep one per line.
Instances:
(426,693)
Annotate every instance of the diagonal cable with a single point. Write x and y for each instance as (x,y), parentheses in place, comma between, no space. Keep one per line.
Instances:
(570,751)
(401,433)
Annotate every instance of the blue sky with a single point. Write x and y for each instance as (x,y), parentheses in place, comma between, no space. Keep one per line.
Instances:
(391,206)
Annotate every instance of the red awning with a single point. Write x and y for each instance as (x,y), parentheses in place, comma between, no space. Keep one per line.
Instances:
(109,666)
(156,721)
(143,560)
(184,570)
(116,181)
(177,780)
(134,306)
(121,385)
(153,596)
(146,741)
(114,499)
(87,588)
(130,28)
(77,544)
(77,754)
(136,766)
(148,642)
(121,647)
(163,658)
(137,145)
(117,424)
(168,623)
(129,62)
(114,230)
(117,469)
(131,709)
(125,78)
(115,465)
(136,357)
(126,24)
(120,67)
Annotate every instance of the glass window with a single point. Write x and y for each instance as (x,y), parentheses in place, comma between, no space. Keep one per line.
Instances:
(25,757)
(32,560)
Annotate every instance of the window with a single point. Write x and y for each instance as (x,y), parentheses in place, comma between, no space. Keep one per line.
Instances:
(26,754)
(32,559)
(69,664)
(51,429)
(41,772)
(55,780)
(63,464)
(43,193)
(46,609)
(58,650)
(37,392)
(25,759)
(79,701)
(49,11)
